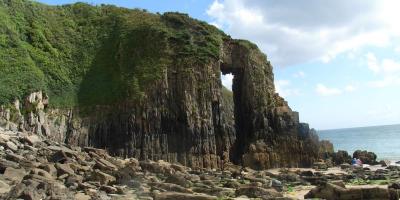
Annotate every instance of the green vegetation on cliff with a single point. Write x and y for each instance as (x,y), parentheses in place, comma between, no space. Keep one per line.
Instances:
(85,55)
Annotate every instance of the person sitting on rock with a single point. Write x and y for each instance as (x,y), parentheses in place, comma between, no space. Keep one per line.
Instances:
(354,161)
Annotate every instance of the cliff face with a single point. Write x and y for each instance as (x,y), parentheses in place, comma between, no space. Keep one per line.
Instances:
(170,104)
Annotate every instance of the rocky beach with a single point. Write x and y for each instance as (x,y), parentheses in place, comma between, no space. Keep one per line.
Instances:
(33,167)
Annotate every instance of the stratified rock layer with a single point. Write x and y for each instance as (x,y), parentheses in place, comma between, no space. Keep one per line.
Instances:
(182,116)
(186,118)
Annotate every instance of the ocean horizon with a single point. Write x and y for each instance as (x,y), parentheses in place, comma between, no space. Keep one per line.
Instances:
(383,140)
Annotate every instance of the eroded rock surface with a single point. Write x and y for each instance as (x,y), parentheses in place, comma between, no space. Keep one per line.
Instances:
(183,114)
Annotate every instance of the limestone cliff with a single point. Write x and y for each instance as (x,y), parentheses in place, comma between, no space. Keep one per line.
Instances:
(157,94)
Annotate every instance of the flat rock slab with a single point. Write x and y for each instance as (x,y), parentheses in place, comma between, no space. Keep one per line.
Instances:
(13,174)
(4,187)
(61,148)
(81,196)
(182,196)
(6,163)
(12,146)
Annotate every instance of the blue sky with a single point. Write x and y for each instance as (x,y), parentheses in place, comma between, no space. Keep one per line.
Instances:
(336,62)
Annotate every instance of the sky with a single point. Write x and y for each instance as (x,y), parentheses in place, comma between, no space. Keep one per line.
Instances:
(336,62)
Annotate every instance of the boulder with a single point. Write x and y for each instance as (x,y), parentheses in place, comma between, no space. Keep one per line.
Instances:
(49,168)
(384,163)
(108,189)
(6,163)
(156,167)
(64,169)
(10,145)
(366,157)
(330,191)
(178,179)
(31,139)
(15,157)
(82,196)
(103,178)
(42,173)
(13,174)
(4,187)
(341,157)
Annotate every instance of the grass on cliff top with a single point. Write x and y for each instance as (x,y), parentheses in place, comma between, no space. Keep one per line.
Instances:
(90,55)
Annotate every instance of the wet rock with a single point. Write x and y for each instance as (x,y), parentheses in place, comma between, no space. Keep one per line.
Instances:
(276,184)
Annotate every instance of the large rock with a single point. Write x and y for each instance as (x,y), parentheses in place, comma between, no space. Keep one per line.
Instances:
(341,157)
(331,191)
(6,163)
(257,192)
(102,177)
(15,175)
(178,179)
(4,187)
(366,157)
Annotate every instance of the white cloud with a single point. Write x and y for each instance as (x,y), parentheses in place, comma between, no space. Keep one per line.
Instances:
(397,49)
(387,69)
(390,66)
(387,81)
(227,80)
(372,62)
(283,88)
(350,88)
(294,32)
(299,74)
(326,91)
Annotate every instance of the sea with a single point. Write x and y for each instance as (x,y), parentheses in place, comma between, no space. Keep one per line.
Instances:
(384,141)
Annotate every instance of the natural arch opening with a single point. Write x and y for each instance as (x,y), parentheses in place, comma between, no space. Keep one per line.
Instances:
(232,79)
